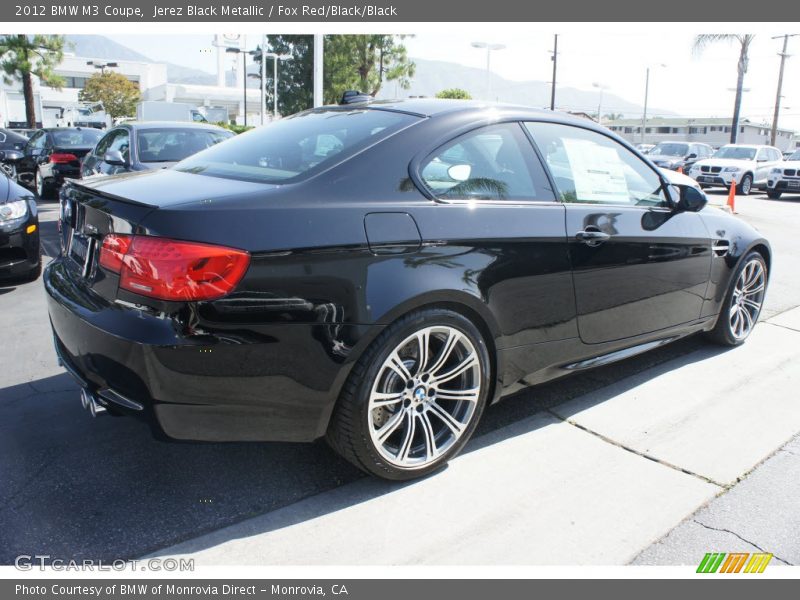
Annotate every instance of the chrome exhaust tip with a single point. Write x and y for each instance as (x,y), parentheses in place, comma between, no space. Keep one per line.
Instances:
(89,401)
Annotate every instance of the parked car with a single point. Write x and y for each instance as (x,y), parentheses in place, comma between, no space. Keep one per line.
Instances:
(53,155)
(143,146)
(679,155)
(785,178)
(19,232)
(747,165)
(378,273)
(11,143)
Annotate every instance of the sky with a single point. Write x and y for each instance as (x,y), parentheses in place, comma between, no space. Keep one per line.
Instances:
(688,84)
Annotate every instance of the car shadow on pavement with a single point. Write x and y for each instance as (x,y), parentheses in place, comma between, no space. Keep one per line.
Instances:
(494,428)
(77,487)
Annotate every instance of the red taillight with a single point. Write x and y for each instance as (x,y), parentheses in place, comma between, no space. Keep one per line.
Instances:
(62,158)
(171,269)
(113,251)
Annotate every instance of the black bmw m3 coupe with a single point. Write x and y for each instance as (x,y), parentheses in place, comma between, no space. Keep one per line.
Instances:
(378,273)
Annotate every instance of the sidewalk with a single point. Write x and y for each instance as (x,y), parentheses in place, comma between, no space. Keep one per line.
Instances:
(595,481)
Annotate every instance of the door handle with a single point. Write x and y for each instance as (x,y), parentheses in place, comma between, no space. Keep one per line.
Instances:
(592,236)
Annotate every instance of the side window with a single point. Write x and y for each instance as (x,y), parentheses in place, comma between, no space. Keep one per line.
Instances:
(121,142)
(2,137)
(776,154)
(102,146)
(590,168)
(495,162)
(37,141)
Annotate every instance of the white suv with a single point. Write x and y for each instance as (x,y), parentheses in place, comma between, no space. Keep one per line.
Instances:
(748,165)
(785,178)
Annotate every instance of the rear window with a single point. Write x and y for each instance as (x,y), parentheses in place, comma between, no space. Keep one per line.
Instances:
(173,144)
(297,146)
(76,138)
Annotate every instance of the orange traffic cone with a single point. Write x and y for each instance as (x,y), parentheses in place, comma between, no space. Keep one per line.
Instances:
(732,196)
(680,170)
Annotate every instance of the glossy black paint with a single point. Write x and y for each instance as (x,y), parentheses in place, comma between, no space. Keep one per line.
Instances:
(36,158)
(339,256)
(19,250)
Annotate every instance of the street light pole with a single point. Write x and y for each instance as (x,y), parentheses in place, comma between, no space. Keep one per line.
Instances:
(646,94)
(489,48)
(555,63)
(784,56)
(602,88)
(263,94)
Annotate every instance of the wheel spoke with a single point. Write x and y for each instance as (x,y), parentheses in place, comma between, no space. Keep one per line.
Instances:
(430,439)
(445,417)
(380,399)
(447,349)
(390,426)
(396,364)
(748,321)
(467,363)
(471,395)
(408,438)
(751,303)
(423,341)
(756,290)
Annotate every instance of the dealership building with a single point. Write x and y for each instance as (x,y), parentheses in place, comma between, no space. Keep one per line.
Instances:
(153,84)
(712,131)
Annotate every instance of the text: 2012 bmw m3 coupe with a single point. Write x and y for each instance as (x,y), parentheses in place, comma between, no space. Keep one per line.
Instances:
(378,273)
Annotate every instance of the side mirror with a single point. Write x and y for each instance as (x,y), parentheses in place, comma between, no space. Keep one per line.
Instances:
(115,158)
(690,199)
(761,159)
(459,172)
(692,155)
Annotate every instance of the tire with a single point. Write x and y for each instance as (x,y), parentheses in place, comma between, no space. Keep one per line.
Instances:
(751,276)
(42,189)
(9,170)
(773,195)
(398,421)
(745,185)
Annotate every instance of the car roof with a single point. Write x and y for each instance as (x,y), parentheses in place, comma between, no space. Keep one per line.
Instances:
(170,125)
(434,107)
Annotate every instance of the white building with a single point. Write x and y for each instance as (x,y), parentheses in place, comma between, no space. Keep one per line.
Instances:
(712,131)
(153,85)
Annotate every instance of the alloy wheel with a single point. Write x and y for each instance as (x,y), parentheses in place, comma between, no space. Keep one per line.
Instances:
(747,298)
(424,397)
(39,185)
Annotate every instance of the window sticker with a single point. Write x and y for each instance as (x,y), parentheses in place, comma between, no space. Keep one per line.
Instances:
(598,172)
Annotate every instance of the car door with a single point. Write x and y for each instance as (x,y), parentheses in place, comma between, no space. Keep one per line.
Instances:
(764,162)
(43,160)
(638,266)
(33,149)
(516,251)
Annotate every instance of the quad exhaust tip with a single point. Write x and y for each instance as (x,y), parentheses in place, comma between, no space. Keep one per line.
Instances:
(89,402)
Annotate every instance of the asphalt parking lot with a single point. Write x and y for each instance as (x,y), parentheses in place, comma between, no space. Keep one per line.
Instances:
(588,470)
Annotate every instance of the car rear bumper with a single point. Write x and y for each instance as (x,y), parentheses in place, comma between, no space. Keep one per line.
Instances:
(278,387)
(19,250)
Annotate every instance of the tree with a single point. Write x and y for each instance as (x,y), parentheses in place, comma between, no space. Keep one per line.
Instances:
(295,87)
(744,41)
(455,94)
(23,57)
(364,62)
(116,92)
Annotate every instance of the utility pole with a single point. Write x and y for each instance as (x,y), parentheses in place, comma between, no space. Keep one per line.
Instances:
(554,58)
(784,56)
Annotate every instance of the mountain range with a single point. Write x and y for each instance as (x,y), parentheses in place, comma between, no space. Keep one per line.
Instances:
(431,77)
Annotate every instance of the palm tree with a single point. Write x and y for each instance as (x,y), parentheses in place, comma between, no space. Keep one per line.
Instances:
(744,41)
(22,57)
